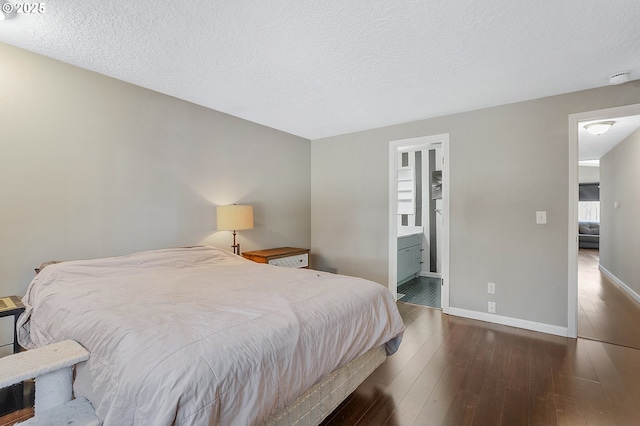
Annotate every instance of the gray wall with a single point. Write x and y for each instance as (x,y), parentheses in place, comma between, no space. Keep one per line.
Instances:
(506,163)
(619,228)
(93,167)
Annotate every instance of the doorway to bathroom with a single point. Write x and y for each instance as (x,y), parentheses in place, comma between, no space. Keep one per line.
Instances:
(419,221)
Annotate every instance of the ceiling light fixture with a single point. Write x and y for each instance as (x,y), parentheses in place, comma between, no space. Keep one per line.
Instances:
(589,163)
(619,78)
(599,128)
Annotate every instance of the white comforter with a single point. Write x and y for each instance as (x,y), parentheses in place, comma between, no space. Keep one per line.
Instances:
(198,336)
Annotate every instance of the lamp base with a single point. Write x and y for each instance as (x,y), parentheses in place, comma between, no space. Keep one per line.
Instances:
(235,246)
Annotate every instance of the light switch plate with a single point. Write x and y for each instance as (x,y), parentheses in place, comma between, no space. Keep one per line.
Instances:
(541,218)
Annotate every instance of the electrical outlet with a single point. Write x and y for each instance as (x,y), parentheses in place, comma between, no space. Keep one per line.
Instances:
(492,307)
(491,288)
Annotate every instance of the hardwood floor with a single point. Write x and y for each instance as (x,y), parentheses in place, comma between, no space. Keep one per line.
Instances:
(456,371)
(605,313)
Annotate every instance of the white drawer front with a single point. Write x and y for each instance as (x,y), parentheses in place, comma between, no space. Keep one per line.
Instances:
(297,261)
(6,331)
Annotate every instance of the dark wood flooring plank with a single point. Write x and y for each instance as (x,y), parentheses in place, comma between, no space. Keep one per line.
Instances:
(422,385)
(627,363)
(358,403)
(477,372)
(593,403)
(490,401)
(440,399)
(414,369)
(462,409)
(605,312)
(515,410)
(501,368)
(519,367)
(542,403)
(585,329)
(381,412)
(501,361)
(620,400)
(585,303)
(582,365)
(565,384)
(329,419)
(619,329)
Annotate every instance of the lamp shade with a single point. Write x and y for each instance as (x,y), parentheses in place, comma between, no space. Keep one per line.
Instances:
(234,217)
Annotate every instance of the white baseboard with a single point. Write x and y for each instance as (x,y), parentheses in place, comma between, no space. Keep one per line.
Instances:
(512,322)
(619,283)
(430,274)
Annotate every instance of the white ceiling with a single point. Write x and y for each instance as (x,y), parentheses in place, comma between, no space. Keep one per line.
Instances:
(320,68)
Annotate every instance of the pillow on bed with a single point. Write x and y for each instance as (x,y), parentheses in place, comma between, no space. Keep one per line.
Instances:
(43,265)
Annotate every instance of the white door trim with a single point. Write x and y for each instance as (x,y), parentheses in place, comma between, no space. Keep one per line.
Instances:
(419,143)
(572,279)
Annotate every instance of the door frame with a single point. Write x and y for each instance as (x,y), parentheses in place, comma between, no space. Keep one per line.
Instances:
(416,144)
(572,256)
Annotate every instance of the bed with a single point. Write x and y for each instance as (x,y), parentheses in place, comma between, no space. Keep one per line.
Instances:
(197,335)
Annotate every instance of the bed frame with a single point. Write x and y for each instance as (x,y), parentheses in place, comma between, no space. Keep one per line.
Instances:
(313,406)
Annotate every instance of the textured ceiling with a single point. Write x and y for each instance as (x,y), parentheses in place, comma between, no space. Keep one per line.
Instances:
(321,68)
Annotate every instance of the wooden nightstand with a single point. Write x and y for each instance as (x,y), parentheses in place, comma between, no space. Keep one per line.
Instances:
(289,257)
(12,305)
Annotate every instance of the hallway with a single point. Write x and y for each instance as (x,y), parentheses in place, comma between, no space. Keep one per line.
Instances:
(605,313)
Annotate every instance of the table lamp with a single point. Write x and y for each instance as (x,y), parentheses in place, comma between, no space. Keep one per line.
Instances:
(234,218)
